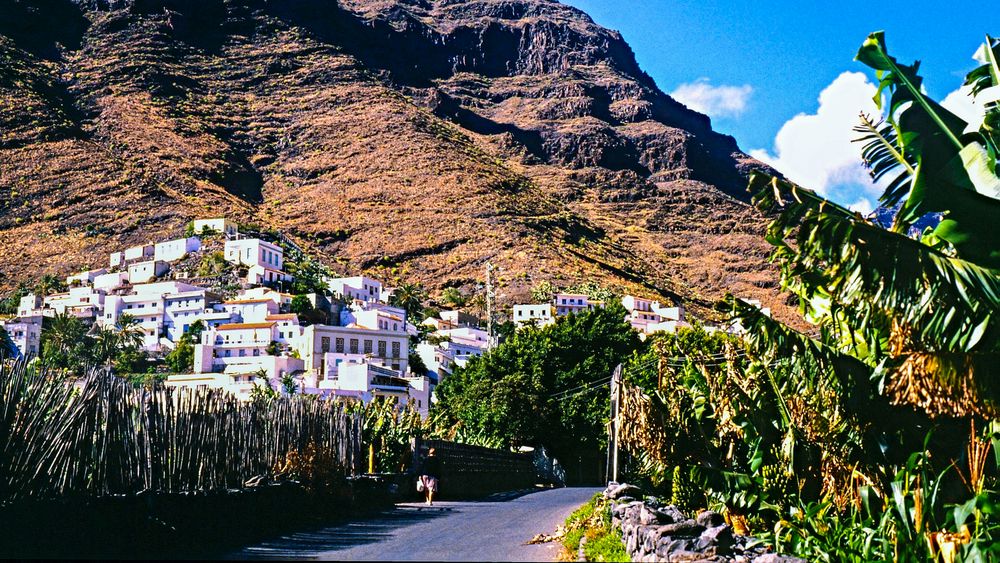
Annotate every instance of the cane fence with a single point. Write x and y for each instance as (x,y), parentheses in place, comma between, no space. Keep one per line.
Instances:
(101,436)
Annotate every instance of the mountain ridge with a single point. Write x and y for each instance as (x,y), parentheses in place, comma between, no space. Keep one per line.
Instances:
(411,139)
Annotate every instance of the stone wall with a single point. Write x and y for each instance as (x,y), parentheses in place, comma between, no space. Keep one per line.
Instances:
(655,531)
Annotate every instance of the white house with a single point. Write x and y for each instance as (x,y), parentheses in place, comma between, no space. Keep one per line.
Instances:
(111,281)
(242,348)
(143,251)
(374,315)
(361,288)
(251,310)
(263,259)
(30,305)
(182,309)
(648,316)
(172,250)
(367,381)
(219,225)
(145,272)
(325,348)
(26,335)
(82,302)
(540,315)
(85,278)
(566,303)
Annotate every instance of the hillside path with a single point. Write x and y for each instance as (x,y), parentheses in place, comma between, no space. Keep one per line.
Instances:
(491,530)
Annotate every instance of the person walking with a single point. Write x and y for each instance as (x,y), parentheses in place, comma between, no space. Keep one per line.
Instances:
(429,475)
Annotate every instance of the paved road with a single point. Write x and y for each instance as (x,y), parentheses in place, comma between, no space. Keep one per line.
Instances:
(492,530)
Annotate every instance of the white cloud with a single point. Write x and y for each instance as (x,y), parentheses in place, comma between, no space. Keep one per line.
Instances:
(816,150)
(714,101)
(961,103)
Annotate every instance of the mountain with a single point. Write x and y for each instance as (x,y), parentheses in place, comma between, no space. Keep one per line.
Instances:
(411,139)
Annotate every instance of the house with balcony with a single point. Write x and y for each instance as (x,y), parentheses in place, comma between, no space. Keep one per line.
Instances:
(326,348)
(243,349)
(25,334)
(361,288)
(366,382)
(649,316)
(566,303)
(263,260)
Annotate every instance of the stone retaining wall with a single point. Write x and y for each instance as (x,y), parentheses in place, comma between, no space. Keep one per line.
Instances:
(656,531)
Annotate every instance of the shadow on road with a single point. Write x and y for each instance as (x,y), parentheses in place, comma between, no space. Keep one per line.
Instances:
(309,544)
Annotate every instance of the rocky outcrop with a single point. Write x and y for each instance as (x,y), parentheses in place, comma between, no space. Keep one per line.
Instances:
(375,133)
(655,531)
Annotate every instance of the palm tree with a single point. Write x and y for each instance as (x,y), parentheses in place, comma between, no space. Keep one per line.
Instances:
(411,298)
(130,334)
(49,284)
(62,341)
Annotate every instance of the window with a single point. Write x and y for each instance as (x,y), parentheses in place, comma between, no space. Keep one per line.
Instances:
(324,345)
(354,345)
(340,345)
(368,346)
(395,349)
(256,352)
(381,348)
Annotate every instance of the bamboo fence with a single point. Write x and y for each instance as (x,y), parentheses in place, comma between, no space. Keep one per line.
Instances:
(101,436)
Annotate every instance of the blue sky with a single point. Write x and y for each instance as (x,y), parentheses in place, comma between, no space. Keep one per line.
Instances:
(758,67)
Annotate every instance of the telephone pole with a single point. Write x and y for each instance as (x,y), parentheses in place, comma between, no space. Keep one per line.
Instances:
(491,338)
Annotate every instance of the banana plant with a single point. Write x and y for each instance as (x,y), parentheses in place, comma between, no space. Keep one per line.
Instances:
(945,165)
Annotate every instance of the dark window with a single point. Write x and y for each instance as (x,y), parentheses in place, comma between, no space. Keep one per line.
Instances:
(325,344)
(340,345)
(354,345)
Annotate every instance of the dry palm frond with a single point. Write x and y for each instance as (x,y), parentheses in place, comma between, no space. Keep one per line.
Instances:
(945,384)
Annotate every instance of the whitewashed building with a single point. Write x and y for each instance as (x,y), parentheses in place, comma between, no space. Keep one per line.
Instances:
(219,225)
(173,250)
(263,260)
(25,334)
(539,315)
(361,288)
(146,271)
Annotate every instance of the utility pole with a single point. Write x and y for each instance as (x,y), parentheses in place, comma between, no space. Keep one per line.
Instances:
(614,426)
(491,338)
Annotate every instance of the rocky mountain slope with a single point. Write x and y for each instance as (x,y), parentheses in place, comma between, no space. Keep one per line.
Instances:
(409,138)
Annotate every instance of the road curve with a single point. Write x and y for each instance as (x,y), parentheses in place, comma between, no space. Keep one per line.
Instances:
(490,530)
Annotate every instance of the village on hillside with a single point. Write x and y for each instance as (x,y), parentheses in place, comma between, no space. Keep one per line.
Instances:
(344,340)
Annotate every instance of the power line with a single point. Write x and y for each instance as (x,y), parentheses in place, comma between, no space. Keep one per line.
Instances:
(597,382)
(585,391)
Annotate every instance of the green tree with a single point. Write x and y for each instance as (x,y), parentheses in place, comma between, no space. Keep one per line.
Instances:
(63,342)
(543,386)
(181,358)
(7,348)
(410,297)
(49,284)
(452,297)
